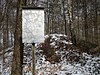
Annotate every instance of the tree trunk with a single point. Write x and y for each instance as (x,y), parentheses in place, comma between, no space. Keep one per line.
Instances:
(64,17)
(85,20)
(95,23)
(17,61)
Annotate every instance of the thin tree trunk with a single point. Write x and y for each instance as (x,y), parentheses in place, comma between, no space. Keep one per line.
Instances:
(64,17)
(95,24)
(85,20)
(78,21)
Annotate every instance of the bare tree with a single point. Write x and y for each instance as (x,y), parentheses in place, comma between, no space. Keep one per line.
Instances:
(17,59)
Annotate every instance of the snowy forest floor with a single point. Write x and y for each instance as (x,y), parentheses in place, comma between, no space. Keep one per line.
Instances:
(56,56)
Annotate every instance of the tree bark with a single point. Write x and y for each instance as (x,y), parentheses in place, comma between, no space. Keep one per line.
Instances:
(85,20)
(17,61)
(64,17)
(95,23)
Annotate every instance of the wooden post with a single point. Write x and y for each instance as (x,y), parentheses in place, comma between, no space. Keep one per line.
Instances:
(33,58)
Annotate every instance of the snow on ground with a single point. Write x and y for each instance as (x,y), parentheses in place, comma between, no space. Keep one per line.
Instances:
(86,64)
(6,69)
(91,67)
(79,63)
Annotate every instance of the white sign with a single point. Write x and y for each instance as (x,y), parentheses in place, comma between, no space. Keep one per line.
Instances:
(32,25)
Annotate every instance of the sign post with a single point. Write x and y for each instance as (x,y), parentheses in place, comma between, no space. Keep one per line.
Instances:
(32,28)
(33,57)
